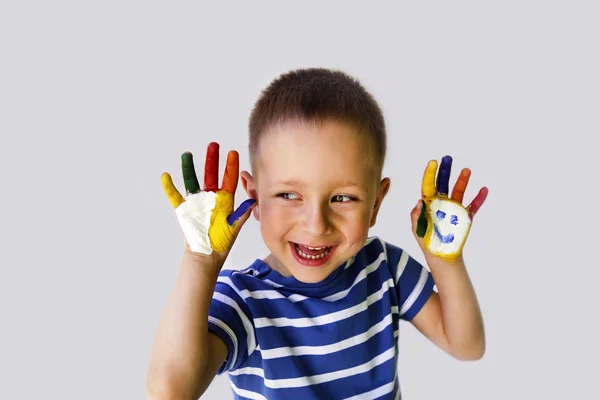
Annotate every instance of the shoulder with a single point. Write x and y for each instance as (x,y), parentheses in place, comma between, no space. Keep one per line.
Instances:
(242,281)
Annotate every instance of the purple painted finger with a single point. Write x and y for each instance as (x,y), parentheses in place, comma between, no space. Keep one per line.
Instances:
(241,210)
(443,178)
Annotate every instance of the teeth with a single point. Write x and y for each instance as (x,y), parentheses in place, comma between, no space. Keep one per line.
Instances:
(311,257)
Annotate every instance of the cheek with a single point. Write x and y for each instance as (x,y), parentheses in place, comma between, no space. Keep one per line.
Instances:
(355,225)
(274,220)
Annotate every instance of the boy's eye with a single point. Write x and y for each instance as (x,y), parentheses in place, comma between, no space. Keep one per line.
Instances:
(341,198)
(287,196)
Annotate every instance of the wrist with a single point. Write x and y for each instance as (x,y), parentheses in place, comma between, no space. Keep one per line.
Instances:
(208,263)
(439,264)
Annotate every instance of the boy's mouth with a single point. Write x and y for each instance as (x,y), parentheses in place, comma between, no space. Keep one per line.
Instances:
(311,255)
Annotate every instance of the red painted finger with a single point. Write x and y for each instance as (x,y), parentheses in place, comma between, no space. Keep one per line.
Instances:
(478,201)
(458,192)
(211,168)
(232,172)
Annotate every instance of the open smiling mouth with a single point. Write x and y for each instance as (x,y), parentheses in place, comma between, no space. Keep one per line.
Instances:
(449,238)
(311,256)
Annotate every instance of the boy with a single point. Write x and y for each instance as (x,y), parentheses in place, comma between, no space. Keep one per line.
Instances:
(319,317)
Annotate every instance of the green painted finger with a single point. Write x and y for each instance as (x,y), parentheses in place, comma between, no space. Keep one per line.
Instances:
(189,173)
(422,221)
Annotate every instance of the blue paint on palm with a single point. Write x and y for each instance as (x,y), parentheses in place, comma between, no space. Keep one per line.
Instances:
(449,238)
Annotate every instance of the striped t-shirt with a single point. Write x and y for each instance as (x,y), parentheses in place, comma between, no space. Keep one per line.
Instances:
(336,339)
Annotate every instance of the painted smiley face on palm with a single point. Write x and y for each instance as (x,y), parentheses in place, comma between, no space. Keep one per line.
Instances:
(450,224)
(444,223)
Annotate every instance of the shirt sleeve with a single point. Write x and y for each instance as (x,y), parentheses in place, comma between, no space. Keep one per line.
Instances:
(229,318)
(414,283)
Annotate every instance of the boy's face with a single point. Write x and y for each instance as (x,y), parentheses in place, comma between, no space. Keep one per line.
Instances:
(317,197)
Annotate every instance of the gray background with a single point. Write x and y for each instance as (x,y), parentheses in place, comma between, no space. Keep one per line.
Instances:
(97,99)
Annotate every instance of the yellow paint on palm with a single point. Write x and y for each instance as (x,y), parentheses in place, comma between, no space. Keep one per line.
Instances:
(220,232)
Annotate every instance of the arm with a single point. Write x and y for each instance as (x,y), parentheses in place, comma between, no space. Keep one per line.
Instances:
(185,357)
(452,318)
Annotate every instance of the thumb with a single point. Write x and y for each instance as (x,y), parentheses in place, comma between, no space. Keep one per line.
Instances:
(241,215)
(418,219)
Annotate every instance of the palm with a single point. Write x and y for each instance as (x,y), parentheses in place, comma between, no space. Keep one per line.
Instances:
(444,223)
(206,216)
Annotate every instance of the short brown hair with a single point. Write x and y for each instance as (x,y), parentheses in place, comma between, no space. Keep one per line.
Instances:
(318,95)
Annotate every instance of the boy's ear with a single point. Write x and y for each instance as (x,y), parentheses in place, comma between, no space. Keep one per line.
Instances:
(249,186)
(384,187)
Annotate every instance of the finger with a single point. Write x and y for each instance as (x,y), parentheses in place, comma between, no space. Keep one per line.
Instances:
(211,168)
(421,228)
(175,198)
(443,178)
(232,172)
(478,201)
(428,185)
(189,173)
(458,192)
(241,210)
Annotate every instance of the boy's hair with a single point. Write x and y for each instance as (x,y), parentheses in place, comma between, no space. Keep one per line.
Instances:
(318,95)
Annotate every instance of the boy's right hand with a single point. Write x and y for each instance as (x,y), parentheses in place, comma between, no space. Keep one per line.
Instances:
(206,217)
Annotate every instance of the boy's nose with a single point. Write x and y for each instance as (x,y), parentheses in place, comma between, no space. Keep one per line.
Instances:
(316,221)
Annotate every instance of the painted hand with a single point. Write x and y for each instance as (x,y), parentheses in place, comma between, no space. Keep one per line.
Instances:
(444,223)
(206,217)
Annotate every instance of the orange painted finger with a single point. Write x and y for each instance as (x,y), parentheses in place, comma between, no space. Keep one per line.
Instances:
(458,192)
(232,172)
(428,184)
(211,168)
(478,201)
(175,198)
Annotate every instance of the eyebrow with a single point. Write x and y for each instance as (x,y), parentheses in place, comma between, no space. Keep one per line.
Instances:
(296,182)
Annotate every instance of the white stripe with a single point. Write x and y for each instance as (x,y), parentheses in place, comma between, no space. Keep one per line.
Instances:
(362,275)
(415,293)
(321,378)
(327,318)
(270,282)
(349,262)
(353,258)
(257,371)
(404,257)
(231,334)
(245,321)
(247,393)
(375,393)
(397,394)
(257,294)
(329,348)
(383,245)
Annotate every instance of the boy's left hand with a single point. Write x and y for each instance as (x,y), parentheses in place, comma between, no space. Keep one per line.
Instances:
(441,224)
